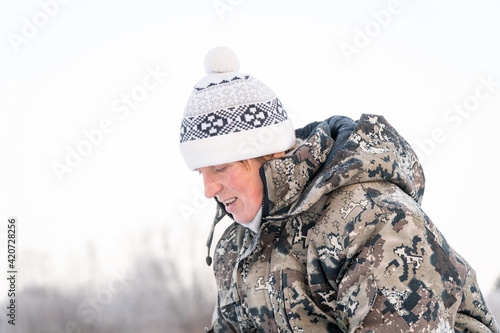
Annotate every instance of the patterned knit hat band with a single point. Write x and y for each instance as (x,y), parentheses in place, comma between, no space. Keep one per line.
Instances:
(232,116)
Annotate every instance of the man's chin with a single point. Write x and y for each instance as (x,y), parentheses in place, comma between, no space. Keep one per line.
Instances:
(241,220)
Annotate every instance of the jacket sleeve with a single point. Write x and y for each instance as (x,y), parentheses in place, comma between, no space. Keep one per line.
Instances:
(219,325)
(398,273)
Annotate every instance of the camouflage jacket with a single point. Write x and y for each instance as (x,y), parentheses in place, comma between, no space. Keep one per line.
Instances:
(344,245)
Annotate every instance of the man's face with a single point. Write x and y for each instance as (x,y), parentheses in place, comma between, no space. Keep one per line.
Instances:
(237,185)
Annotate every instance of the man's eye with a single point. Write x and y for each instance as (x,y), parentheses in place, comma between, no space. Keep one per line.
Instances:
(221,169)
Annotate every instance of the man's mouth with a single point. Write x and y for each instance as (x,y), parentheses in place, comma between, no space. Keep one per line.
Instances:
(229,202)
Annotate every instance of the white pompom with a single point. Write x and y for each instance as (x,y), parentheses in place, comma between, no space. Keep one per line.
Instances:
(221,60)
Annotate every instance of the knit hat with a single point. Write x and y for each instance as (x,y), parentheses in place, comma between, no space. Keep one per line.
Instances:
(232,116)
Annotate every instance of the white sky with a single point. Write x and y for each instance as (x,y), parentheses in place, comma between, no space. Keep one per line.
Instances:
(68,75)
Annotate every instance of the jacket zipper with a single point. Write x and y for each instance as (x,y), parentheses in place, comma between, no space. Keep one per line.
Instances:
(265,205)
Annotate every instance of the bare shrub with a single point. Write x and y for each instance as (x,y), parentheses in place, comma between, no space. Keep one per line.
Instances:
(158,293)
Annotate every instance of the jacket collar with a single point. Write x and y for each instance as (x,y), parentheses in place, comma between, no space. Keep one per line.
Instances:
(285,179)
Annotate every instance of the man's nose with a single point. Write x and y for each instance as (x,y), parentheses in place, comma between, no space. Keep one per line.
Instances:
(212,186)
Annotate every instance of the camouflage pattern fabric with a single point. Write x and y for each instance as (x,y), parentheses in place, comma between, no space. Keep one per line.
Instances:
(345,247)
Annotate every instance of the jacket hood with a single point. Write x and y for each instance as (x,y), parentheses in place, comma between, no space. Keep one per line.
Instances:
(336,152)
(339,152)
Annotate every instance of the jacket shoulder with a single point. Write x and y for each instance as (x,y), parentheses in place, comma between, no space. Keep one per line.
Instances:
(394,261)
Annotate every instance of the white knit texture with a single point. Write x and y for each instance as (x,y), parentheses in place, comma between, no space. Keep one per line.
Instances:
(239,92)
(221,60)
(238,146)
(231,116)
